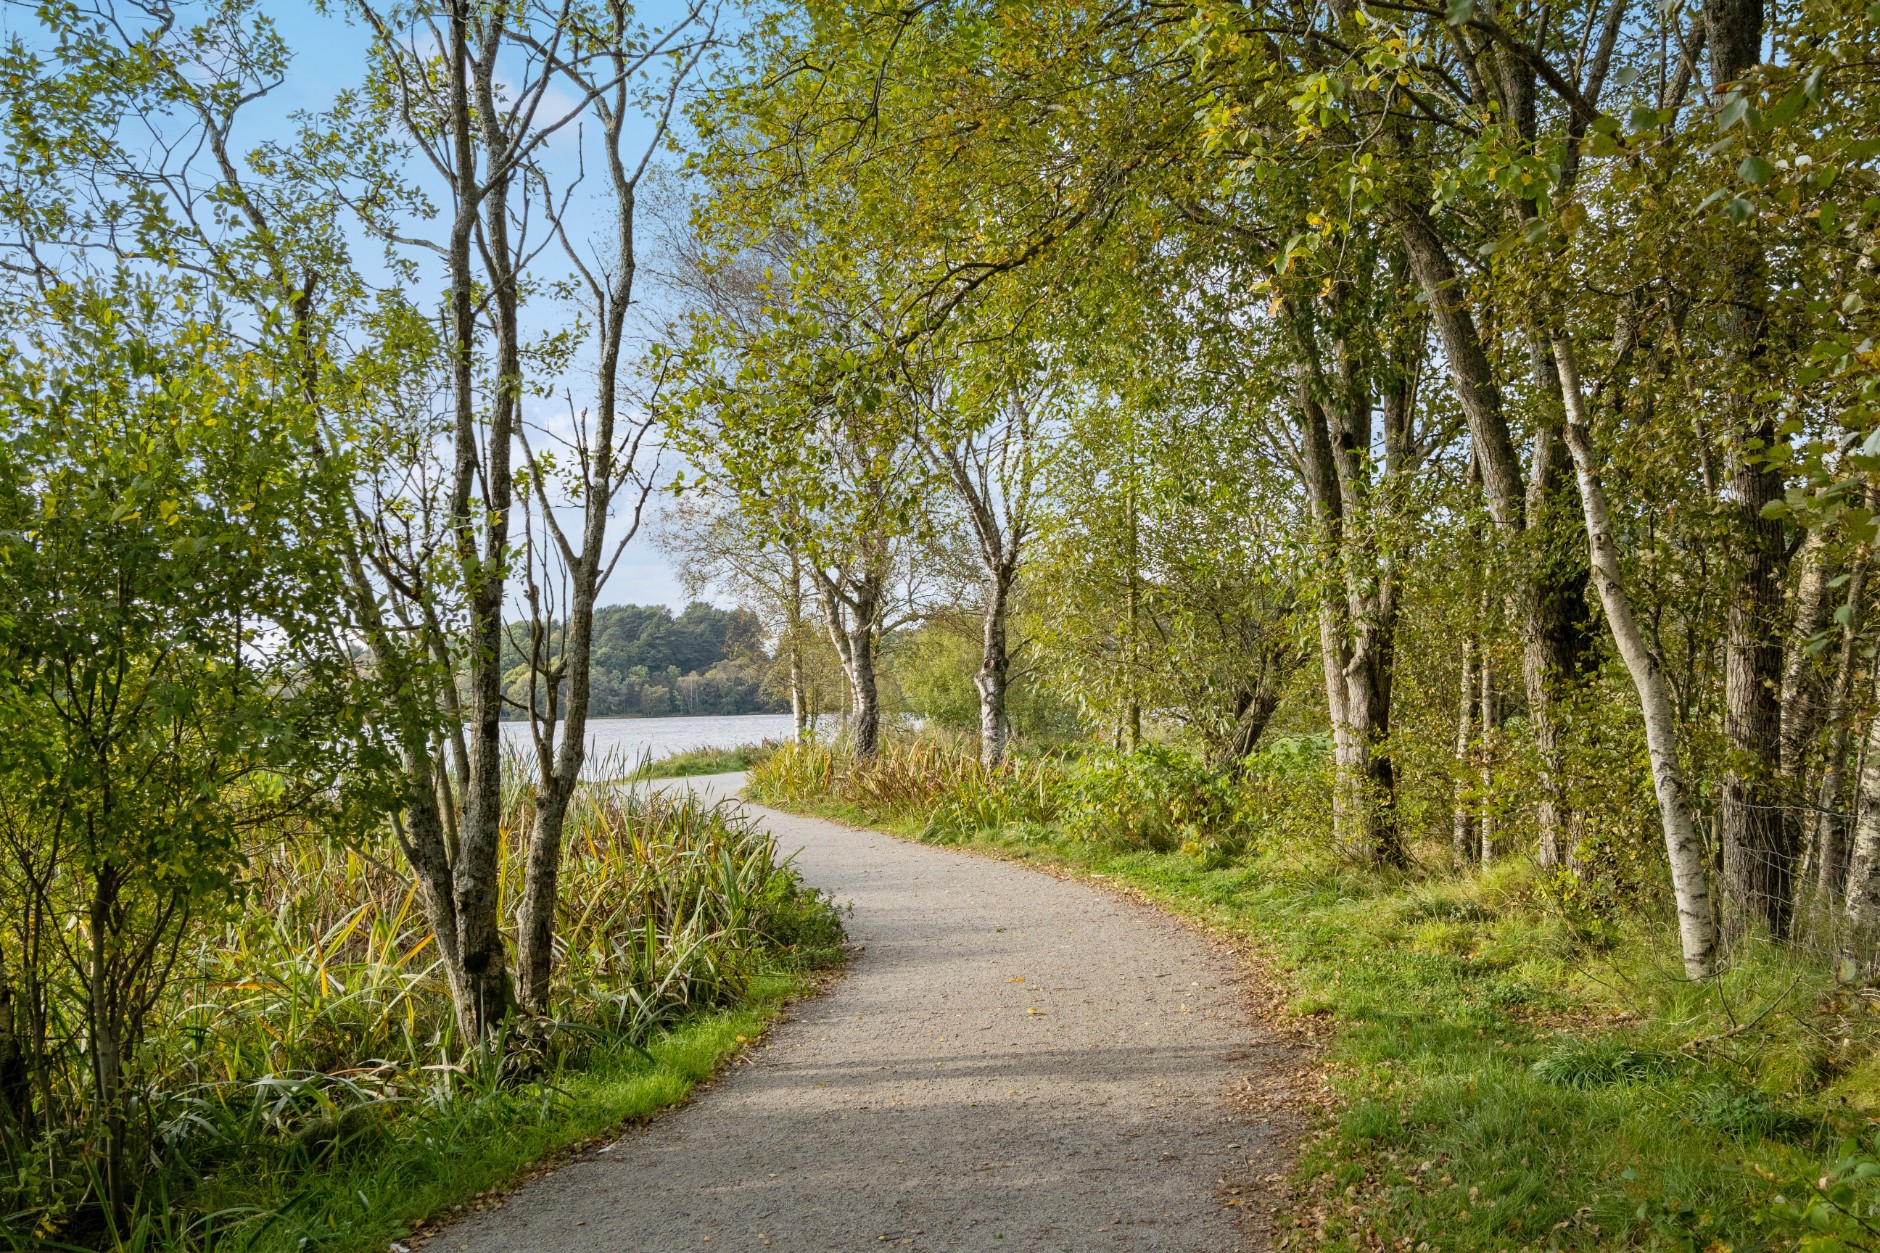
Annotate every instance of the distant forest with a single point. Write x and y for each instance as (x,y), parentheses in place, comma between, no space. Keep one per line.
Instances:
(649,662)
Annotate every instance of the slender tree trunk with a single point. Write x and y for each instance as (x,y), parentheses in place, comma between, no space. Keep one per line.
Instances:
(1801,701)
(421,835)
(1830,832)
(852,628)
(1758,837)
(1489,721)
(1863,874)
(1462,821)
(1550,598)
(1132,712)
(793,627)
(16,1097)
(1254,708)
(106,1046)
(866,729)
(1349,706)
(994,670)
(1697,926)
(474,874)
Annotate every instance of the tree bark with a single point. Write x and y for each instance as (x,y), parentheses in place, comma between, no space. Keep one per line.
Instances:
(1462,821)
(793,628)
(853,617)
(1758,844)
(16,1098)
(106,1045)
(1489,722)
(1830,832)
(475,873)
(1357,623)
(1697,928)
(1552,598)
(995,728)
(866,727)
(1863,874)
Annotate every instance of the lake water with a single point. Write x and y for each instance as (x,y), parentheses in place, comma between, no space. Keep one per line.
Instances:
(612,741)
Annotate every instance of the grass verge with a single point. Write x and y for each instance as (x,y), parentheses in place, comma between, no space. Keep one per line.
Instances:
(698,761)
(1504,1079)
(380,1181)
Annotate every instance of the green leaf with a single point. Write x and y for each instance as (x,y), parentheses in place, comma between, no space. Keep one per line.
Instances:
(1740,210)
(1460,12)
(1785,109)
(1755,170)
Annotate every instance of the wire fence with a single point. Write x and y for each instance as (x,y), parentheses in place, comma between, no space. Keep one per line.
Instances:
(1792,876)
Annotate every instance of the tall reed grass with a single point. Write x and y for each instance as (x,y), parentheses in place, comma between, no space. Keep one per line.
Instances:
(317,1010)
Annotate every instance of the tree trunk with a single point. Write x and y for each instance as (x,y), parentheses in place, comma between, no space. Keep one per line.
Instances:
(994,670)
(1830,832)
(16,1098)
(1254,707)
(1489,722)
(1800,702)
(474,874)
(852,625)
(1758,833)
(1758,844)
(1697,927)
(1863,874)
(535,915)
(106,1046)
(1462,822)
(793,627)
(1349,830)
(865,731)
(1552,598)
(421,836)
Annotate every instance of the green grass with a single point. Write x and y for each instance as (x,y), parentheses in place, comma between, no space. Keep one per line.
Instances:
(1504,1078)
(698,761)
(377,1180)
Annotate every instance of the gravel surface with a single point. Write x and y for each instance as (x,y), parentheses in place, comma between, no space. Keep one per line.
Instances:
(1012,1061)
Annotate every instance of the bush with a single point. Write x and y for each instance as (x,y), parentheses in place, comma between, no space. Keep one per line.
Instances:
(1155,798)
(1837,1211)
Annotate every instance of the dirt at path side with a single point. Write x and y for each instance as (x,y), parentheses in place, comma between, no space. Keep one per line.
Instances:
(1013,1061)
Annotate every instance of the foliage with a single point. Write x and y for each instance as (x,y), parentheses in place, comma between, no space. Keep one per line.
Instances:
(314,1027)
(1155,798)
(930,668)
(172,686)
(649,661)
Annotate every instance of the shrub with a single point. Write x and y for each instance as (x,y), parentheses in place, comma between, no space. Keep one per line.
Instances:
(1155,798)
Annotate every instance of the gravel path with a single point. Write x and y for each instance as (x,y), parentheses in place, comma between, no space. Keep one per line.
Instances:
(1012,1061)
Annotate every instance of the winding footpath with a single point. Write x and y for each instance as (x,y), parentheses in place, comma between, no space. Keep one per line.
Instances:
(1012,1061)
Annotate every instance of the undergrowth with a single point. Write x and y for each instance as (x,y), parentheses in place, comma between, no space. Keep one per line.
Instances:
(1507,1073)
(302,1086)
